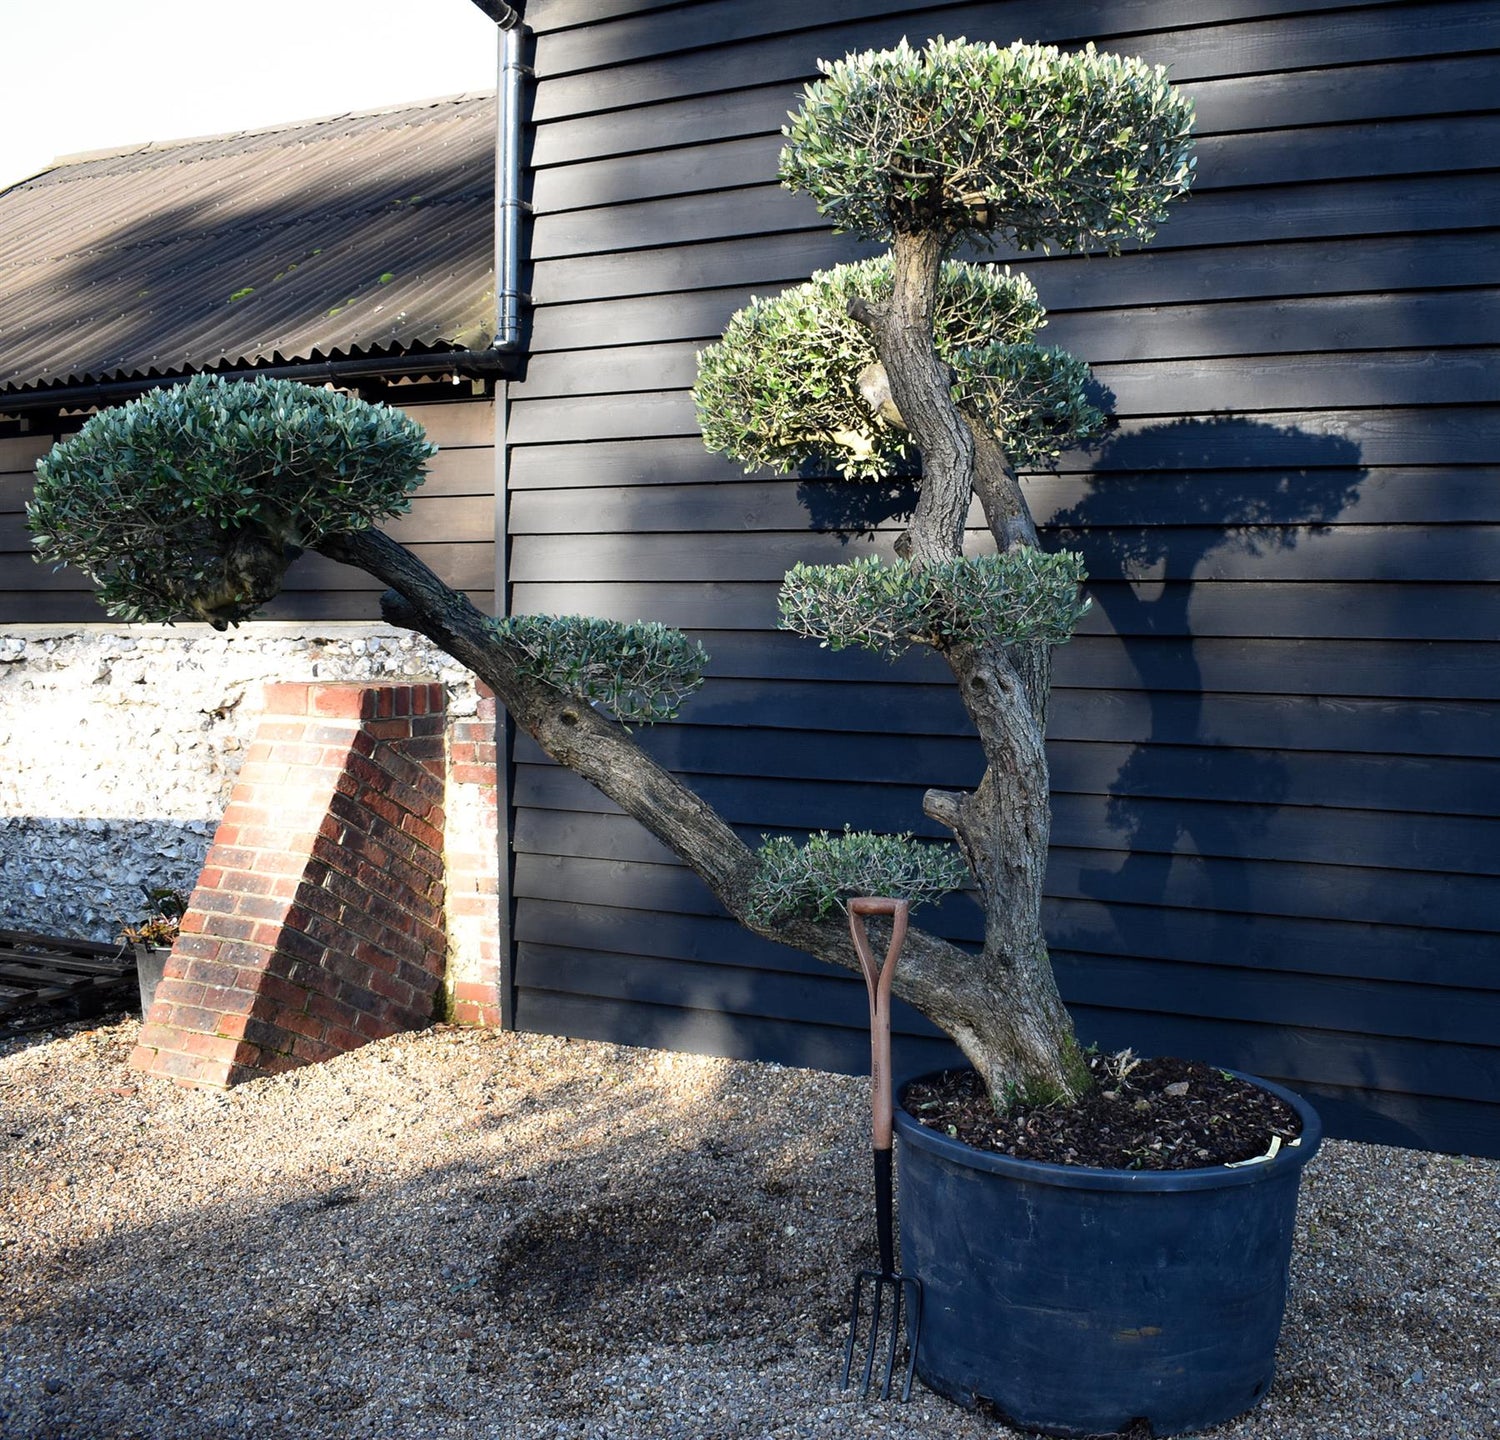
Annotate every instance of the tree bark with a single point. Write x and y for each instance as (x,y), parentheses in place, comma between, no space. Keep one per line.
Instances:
(1005,508)
(902,330)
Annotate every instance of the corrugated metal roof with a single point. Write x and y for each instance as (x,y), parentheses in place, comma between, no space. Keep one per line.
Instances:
(345,236)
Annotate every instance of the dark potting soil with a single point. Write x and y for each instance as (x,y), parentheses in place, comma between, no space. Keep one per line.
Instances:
(1159,1115)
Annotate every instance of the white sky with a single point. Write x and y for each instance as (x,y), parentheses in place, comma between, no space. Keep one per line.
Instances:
(97,74)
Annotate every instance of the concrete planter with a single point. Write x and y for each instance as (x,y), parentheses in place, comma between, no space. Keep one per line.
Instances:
(150,961)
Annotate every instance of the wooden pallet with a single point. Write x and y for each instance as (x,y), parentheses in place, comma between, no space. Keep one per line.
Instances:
(36,969)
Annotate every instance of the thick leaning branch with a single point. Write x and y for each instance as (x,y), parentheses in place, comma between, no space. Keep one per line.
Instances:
(566,727)
(1005,509)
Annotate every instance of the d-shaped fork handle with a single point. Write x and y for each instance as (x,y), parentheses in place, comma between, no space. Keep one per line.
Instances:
(878,983)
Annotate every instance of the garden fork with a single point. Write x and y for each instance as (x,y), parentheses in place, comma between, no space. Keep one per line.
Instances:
(902,1289)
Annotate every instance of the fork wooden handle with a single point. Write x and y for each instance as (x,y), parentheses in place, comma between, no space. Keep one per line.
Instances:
(878,976)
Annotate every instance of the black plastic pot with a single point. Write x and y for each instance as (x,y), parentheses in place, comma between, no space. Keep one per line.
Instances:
(1077,1301)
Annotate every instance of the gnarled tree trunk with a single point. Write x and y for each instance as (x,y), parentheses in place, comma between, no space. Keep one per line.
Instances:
(1004,825)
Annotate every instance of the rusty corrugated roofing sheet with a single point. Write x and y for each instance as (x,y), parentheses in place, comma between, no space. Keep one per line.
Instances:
(350,235)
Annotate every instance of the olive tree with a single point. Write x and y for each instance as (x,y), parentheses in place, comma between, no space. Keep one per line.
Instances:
(190,503)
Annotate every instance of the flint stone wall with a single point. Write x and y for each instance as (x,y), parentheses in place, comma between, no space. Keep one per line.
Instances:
(121,745)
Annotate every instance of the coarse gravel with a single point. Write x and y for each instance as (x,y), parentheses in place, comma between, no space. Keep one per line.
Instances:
(456,1234)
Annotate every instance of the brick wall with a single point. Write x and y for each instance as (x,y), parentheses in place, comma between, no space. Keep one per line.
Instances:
(321,918)
(473,849)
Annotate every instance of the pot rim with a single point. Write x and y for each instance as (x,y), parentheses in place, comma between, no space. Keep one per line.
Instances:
(1289,1159)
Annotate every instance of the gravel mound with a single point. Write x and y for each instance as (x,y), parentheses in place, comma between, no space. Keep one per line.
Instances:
(458,1234)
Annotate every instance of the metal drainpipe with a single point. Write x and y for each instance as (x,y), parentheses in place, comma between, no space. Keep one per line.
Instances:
(509,214)
(510,208)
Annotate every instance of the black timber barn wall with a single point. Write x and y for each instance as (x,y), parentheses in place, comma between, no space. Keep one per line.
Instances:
(1275,741)
(451,525)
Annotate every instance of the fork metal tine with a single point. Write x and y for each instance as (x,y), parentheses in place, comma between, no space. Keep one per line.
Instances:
(864,1388)
(906,1296)
(913,1330)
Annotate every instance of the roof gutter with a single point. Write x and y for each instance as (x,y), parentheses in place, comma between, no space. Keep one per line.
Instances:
(457,363)
(510,208)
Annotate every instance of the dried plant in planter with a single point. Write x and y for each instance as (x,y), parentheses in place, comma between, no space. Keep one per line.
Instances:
(155,932)
(158,929)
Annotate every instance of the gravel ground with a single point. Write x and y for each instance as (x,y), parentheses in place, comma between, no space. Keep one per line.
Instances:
(458,1234)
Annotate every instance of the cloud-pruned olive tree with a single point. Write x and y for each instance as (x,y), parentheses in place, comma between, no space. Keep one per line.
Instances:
(189,503)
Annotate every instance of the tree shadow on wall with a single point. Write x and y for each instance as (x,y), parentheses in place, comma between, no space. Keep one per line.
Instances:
(1166,507)
(857,509)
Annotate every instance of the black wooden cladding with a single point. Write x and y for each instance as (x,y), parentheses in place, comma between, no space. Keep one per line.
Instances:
(1274,741)
(451,525)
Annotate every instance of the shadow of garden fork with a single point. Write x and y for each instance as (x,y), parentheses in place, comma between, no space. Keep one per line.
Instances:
(904,1292)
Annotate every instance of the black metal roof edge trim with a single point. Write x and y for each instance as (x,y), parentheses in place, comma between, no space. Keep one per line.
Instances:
(502,363)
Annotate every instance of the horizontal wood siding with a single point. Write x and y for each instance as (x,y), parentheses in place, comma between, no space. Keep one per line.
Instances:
(27,591)
(451,525)
(1274,741)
